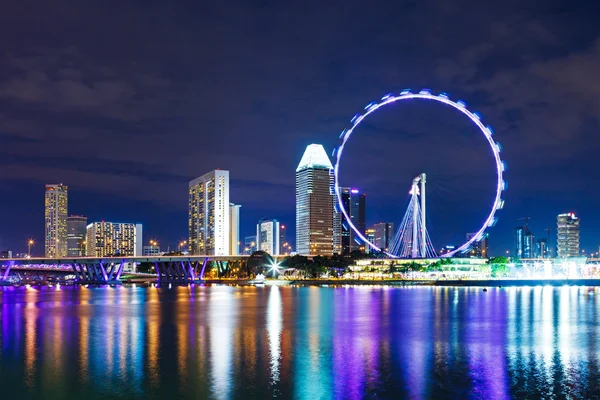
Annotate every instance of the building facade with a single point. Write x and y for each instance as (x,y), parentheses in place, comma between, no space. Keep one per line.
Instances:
(113,239)
(234,229)
(249,244)
(56,213)
(524,242)
(384,234)
(370,235)
(209,214)
(354,204)
(268,235)
(76,232)
(315,213)
(152,250)
(479,248)
(567,235)
(541,248)
(284,246)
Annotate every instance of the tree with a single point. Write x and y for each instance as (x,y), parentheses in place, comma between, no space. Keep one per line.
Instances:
(499,267)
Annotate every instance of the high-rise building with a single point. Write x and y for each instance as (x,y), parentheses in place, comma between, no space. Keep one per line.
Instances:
(208,222)
(370,235)
(315,213)
(268,235)
(249,244)
(112,239)
(56,212)
(541,248)
(384,234)
(234,229)
(354,205)
(479,248)
(76,232)
(284,246)
(524,242)
(567,242)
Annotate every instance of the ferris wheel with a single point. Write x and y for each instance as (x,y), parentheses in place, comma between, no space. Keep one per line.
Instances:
(424,94)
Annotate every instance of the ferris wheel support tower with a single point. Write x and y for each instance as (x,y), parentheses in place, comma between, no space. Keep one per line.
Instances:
(419,230)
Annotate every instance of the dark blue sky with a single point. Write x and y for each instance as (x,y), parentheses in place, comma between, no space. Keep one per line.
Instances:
(126,101)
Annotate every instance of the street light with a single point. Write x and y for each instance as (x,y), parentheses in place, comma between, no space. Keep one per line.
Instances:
(181,244)
(30,243)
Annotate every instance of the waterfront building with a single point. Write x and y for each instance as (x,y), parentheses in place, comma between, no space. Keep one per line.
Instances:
(567,243)
(524,242)
(354,204)
(384,234)
(315,213)
(370,235)
(55,215)
(479,248)
(249,244)
(6,254)
(76,232)
(234,229)
(284,246)
(541,248)
(268,235)
(106,239)
(151,250)
(209,214)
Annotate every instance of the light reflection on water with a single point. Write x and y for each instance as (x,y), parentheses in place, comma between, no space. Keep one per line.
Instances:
(226,342)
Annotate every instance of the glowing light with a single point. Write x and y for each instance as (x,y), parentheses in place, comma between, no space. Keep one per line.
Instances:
(458,105)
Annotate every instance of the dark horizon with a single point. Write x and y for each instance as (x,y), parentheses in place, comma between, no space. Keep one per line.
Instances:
(126,116)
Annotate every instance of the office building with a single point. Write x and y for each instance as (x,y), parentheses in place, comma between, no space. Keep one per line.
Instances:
(268,235)
(542,249)
(6,254)
(56,212)
(249,244)
(76,232)
(354,205)
(567,235)
(315,213)
(284,246)
(209,214)
(384,234)
(524,242)
(234,229)
(151,250)
(113,239)
(479,248)
(370,235)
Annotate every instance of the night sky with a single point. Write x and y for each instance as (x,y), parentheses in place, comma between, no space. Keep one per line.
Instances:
(126,101)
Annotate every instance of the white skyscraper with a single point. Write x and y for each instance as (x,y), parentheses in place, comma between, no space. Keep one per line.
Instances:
(234,223)
(316,218)
(56,213)
(209,214)
(268,236)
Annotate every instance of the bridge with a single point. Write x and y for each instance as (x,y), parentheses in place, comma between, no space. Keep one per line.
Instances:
(101,270)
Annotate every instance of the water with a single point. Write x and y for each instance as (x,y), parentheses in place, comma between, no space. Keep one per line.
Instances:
(224,342)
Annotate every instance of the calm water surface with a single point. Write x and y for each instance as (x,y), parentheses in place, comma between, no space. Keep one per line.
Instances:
(224,342)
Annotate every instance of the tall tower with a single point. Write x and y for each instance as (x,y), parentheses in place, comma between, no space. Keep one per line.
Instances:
(315,213)
(355,206)
(56,213)
(268,236)
(567,233)
(234,224)
(76,231)
(208,219)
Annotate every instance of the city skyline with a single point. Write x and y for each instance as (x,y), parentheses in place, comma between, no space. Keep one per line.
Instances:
(304,96)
